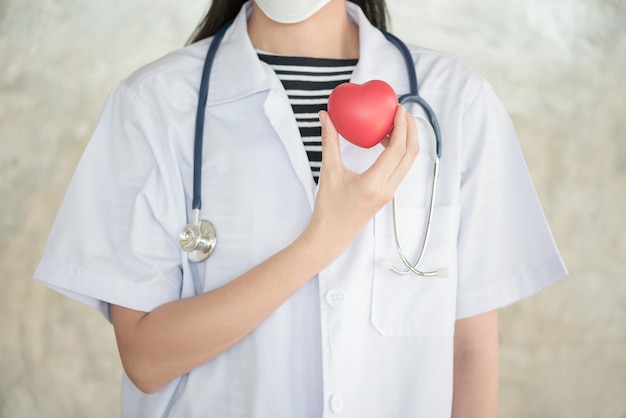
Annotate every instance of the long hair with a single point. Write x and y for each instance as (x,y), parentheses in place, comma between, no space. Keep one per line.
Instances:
(221,11)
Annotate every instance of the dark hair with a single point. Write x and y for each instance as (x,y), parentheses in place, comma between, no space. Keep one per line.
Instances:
(221,11)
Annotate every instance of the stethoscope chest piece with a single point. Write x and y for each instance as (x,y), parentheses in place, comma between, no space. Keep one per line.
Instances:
(198,239)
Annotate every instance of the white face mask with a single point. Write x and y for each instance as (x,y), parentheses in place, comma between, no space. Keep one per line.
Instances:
(290,11)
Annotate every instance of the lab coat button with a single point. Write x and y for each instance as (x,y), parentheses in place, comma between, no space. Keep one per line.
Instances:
(336,404)
(335,297)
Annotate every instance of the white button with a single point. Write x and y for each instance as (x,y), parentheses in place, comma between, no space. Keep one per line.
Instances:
(336,404)
(335,297)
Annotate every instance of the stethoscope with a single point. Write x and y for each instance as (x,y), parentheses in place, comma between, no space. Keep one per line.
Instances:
(199,238)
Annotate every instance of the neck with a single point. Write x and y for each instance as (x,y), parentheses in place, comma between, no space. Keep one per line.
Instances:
(329,33)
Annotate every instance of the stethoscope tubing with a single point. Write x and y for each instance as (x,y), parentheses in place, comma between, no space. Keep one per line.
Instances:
(414,96)
(412,268)
(203,94)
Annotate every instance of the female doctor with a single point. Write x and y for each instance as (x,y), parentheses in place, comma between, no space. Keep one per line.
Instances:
(293,315)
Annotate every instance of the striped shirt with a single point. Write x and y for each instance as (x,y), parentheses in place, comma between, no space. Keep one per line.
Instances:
(308,83)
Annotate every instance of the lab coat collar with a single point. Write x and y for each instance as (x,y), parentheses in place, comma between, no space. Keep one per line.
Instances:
(237,71)
(378,58)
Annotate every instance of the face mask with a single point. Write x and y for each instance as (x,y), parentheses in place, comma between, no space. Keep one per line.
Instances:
(290,11)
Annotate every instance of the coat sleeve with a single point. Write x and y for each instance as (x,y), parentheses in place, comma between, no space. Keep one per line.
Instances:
(112,242)
(506,250)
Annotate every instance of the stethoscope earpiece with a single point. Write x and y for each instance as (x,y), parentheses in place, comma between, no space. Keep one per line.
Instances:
(385,264)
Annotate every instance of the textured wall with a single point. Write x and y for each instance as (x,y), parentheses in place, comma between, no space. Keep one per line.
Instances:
(558,65)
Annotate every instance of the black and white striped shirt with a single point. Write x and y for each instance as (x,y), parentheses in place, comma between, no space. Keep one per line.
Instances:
(308,83)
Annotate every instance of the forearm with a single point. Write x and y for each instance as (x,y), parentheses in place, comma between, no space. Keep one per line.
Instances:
(159,346)
(476,367)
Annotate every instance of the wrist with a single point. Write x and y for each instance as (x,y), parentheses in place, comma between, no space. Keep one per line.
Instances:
(320,246)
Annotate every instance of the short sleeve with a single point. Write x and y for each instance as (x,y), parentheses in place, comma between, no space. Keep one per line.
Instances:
(506,250)
(110,242)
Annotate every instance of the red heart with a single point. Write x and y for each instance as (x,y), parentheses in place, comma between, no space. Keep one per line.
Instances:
(363,114)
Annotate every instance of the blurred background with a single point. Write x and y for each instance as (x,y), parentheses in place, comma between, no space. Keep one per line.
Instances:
(559,66)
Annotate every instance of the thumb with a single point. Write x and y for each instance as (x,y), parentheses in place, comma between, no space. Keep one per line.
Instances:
(330,140)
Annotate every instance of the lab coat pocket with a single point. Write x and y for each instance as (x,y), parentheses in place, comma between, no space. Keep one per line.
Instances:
(412,305)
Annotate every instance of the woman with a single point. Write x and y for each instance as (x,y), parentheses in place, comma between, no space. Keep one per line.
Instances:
(293,315)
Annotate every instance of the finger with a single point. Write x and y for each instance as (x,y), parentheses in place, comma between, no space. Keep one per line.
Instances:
(330,141)
(412,150)
(395,150)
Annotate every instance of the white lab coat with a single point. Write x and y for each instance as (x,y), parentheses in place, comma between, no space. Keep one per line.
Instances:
(354,341)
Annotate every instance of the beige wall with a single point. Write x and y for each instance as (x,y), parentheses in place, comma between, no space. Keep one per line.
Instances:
(558,65)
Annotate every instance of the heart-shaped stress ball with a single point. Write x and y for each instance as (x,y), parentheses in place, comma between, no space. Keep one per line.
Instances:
(363,113)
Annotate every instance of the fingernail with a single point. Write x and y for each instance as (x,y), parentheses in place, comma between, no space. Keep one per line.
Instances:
(322,117)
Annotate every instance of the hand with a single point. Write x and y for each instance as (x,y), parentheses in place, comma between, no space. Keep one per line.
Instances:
(346,201)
